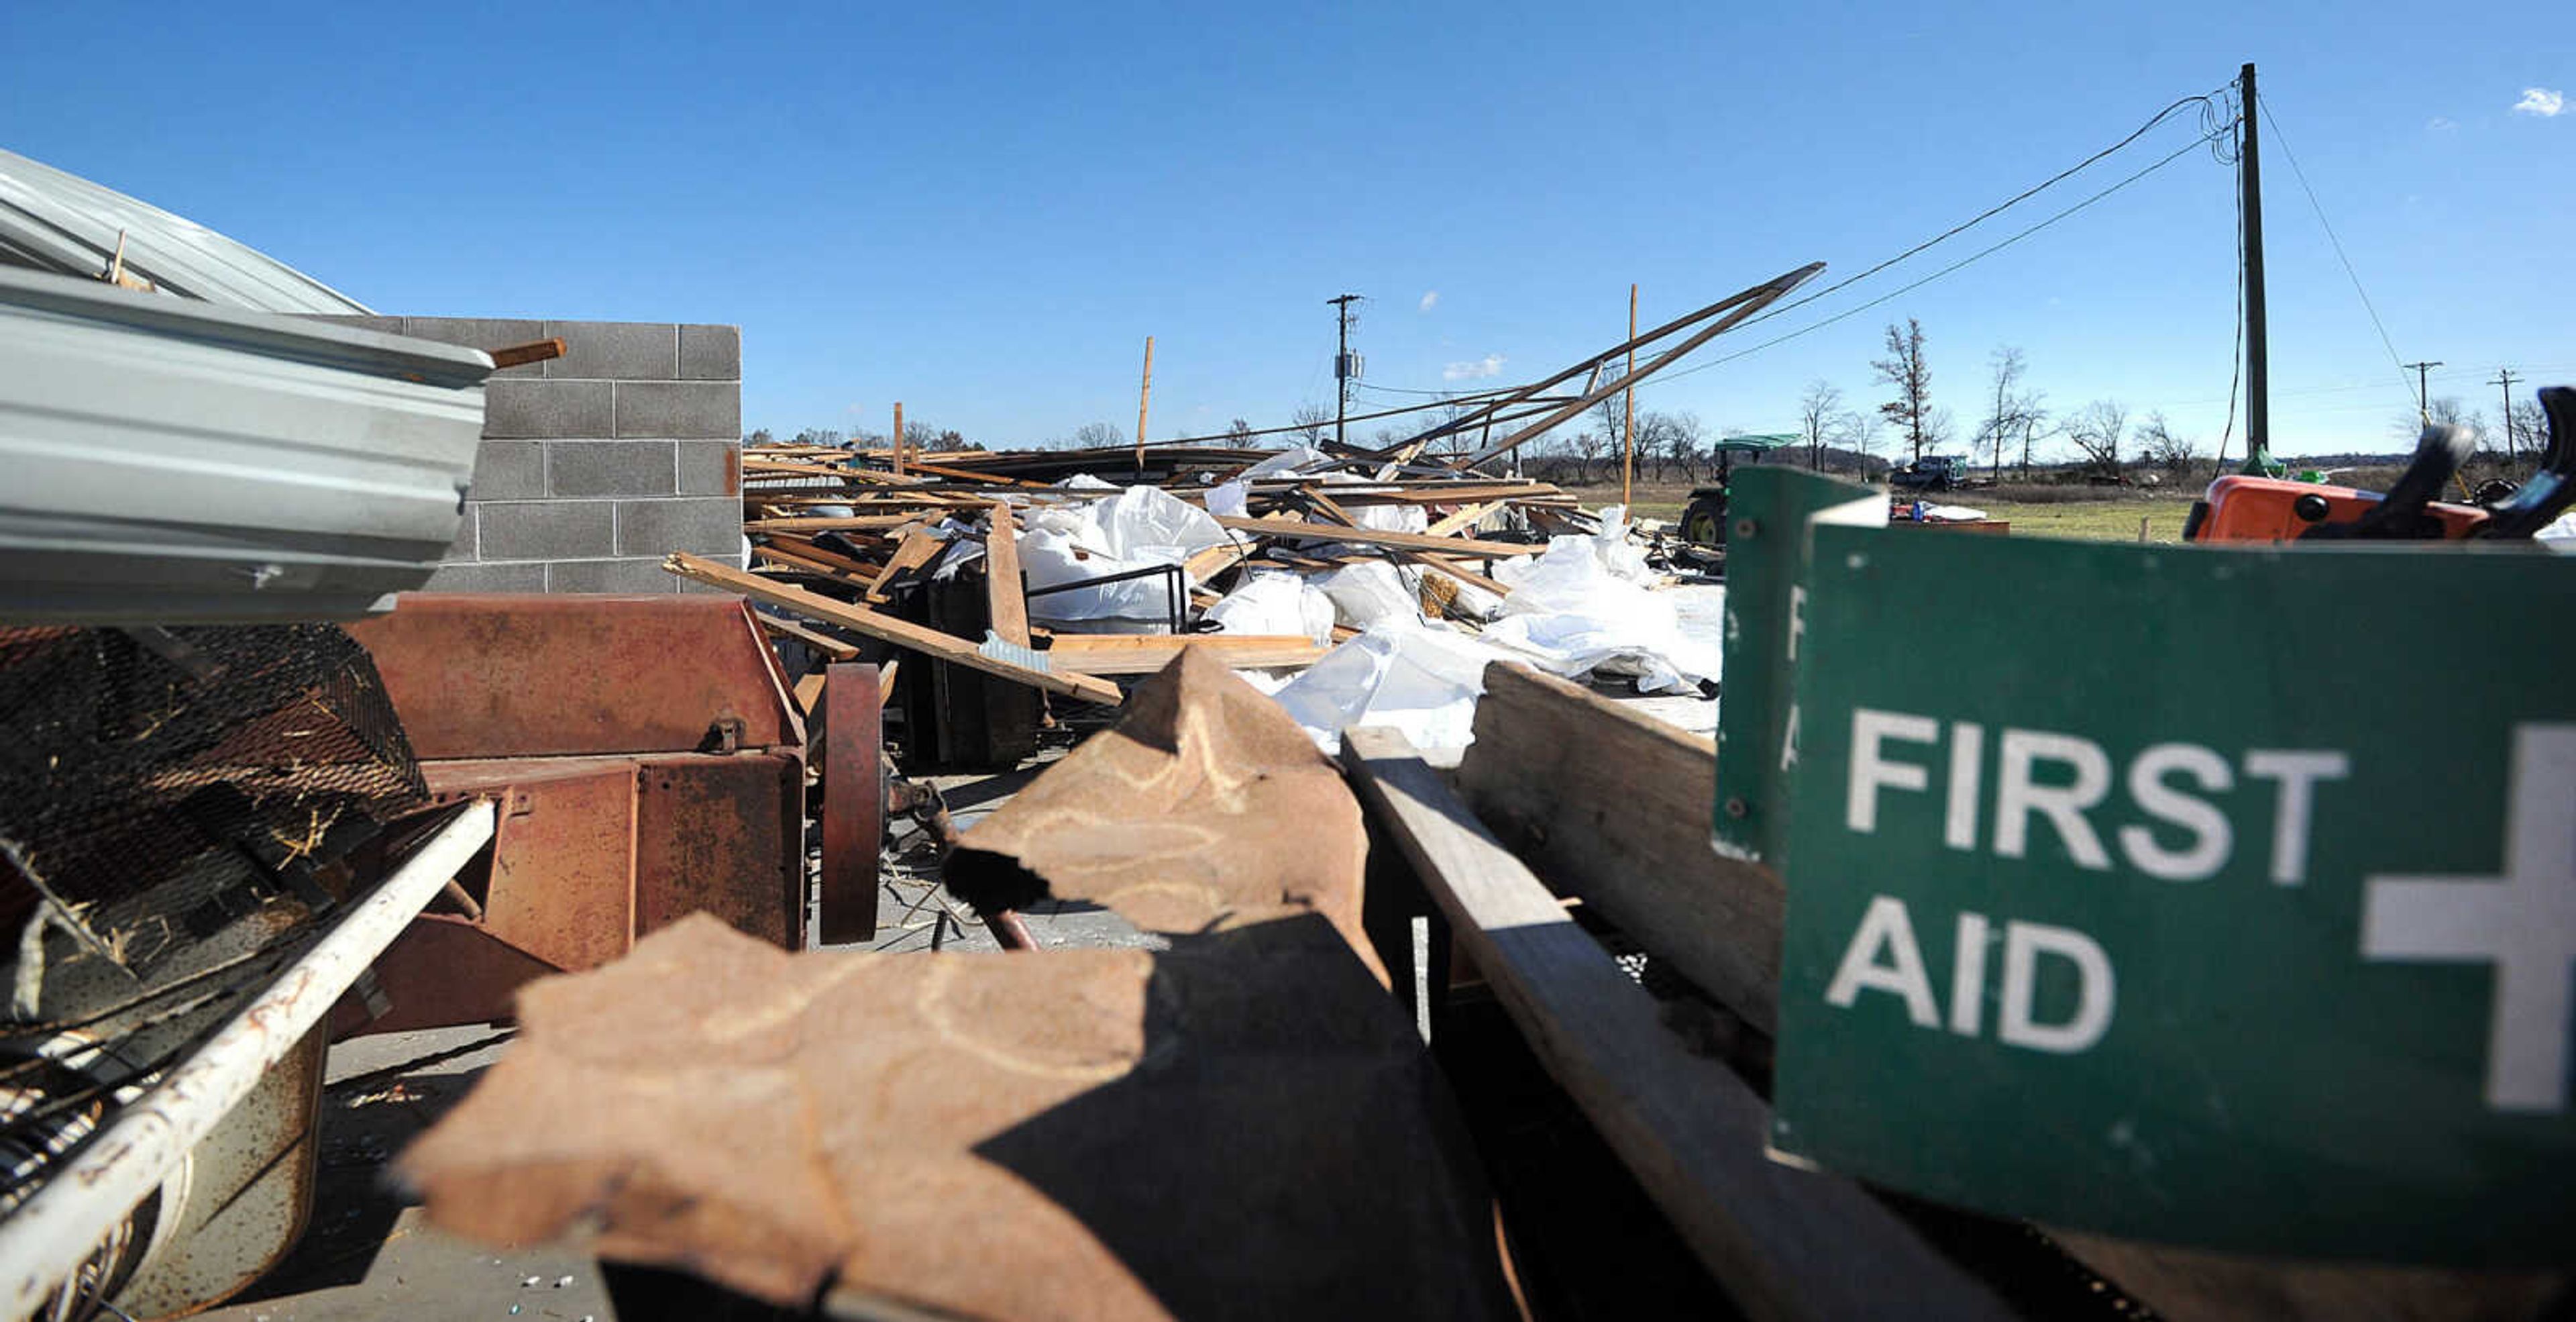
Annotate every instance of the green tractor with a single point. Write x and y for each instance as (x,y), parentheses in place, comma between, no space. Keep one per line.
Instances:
(1704,519)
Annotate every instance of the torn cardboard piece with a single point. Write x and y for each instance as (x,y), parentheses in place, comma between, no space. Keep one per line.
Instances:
(1244,1125)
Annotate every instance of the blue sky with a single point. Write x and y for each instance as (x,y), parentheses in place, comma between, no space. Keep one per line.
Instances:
(984,211)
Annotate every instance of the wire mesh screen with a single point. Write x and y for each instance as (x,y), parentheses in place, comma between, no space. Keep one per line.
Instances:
(135,757)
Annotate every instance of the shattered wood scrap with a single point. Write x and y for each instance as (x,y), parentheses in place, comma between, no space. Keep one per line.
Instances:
(1242,1126)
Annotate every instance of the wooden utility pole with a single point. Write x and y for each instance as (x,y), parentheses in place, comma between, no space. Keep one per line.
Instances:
(2504,380)
(1343,370)
(2423,390)
(898,438)
(1628,429)
(2258,380)
(1144,396)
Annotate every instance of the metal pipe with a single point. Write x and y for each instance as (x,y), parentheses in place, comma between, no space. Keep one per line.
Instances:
(50,1234)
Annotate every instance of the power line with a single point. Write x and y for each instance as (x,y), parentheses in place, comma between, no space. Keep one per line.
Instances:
(2328,226)
(1979,255)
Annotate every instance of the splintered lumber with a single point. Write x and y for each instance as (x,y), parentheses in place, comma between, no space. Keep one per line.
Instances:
(917,548)
(1008,607)
(1613,806)
(1204,565)
(835,523)
(885,628)
(811,562)
(828,646)
(1462,520)
(1292,530)
(1786,1242)
(1144,654)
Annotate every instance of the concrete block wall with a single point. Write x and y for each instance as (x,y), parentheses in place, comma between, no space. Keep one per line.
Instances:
(597,464)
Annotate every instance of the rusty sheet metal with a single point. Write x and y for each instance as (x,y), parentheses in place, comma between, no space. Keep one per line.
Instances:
(854,801)
(724,835)
(561,883)
(1243,1126)
(481,675)
(1203,808)
(442,971)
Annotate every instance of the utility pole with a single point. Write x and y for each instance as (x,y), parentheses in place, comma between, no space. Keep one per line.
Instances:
(1628,430)
(2258,384)
(1345,367)
(898,438)
(2504,380)
(1144,396)
(2423,400)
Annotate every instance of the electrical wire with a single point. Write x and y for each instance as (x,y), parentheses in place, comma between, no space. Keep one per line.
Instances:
(2302,176)
(1980,254)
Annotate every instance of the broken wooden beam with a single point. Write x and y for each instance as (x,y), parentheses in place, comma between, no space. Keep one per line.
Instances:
(1144,654)
(885,628)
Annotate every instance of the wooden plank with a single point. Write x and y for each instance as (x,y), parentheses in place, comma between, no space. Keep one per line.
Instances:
(885,628)
(1614,806)
(1325,532)
(520,355)
(809,691)
(828,646)
(1144,654)
(1786,1242)
(834,524)
(1002,589)
(814,564)
(917,548)
(1204,565)
(1460,521)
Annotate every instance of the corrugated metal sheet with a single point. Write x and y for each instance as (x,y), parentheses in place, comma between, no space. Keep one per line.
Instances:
(171,461)
(54,221)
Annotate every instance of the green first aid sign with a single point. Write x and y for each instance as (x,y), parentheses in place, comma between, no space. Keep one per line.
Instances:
(2216,896)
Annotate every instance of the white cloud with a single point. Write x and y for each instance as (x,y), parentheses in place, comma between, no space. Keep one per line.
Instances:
(2540,101)
(1430,300)
(2440,124)
(1489,365)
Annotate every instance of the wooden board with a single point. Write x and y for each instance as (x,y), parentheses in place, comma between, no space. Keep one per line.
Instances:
(1144,654)
(1003,592)
(917,548)
(1325,532)
(828,646)
(1453,524)
(1787,1243)
(1613,806)
(901,633)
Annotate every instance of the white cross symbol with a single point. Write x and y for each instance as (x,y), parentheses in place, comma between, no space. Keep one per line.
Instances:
(2524,922)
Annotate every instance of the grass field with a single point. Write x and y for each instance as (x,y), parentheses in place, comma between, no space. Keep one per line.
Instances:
(2113,519)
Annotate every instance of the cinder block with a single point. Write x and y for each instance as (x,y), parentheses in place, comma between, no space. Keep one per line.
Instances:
(692,585)
(685,409)
(509,470)
(548,529)
(615,350)
(610,468)
(659,527)
(628,576)
(488,578)
(486,333)
(710,468)
(466,545)
(711,353)
(514,409)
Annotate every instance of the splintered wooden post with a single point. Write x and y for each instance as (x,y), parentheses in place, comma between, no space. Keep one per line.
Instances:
(1009,608)
(898,438)
(1144,396)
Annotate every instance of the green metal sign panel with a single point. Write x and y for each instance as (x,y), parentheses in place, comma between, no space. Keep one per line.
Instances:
(2218,896)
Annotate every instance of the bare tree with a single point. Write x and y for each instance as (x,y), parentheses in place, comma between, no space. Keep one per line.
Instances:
(1587,446)
(817,436)
(2097,430)
(2004,419)
(1818,411)
(2526,430)
(1238,432)
(2158,445)
(1905,369)
(1858,431)
(1688,438)
(1098,436)
(1313,422)
(2034,425)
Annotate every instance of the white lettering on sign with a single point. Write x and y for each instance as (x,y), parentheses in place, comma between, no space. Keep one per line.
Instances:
(1884,957)
(2298,773)
(2179,830)
(1797,617)
(2523,922)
